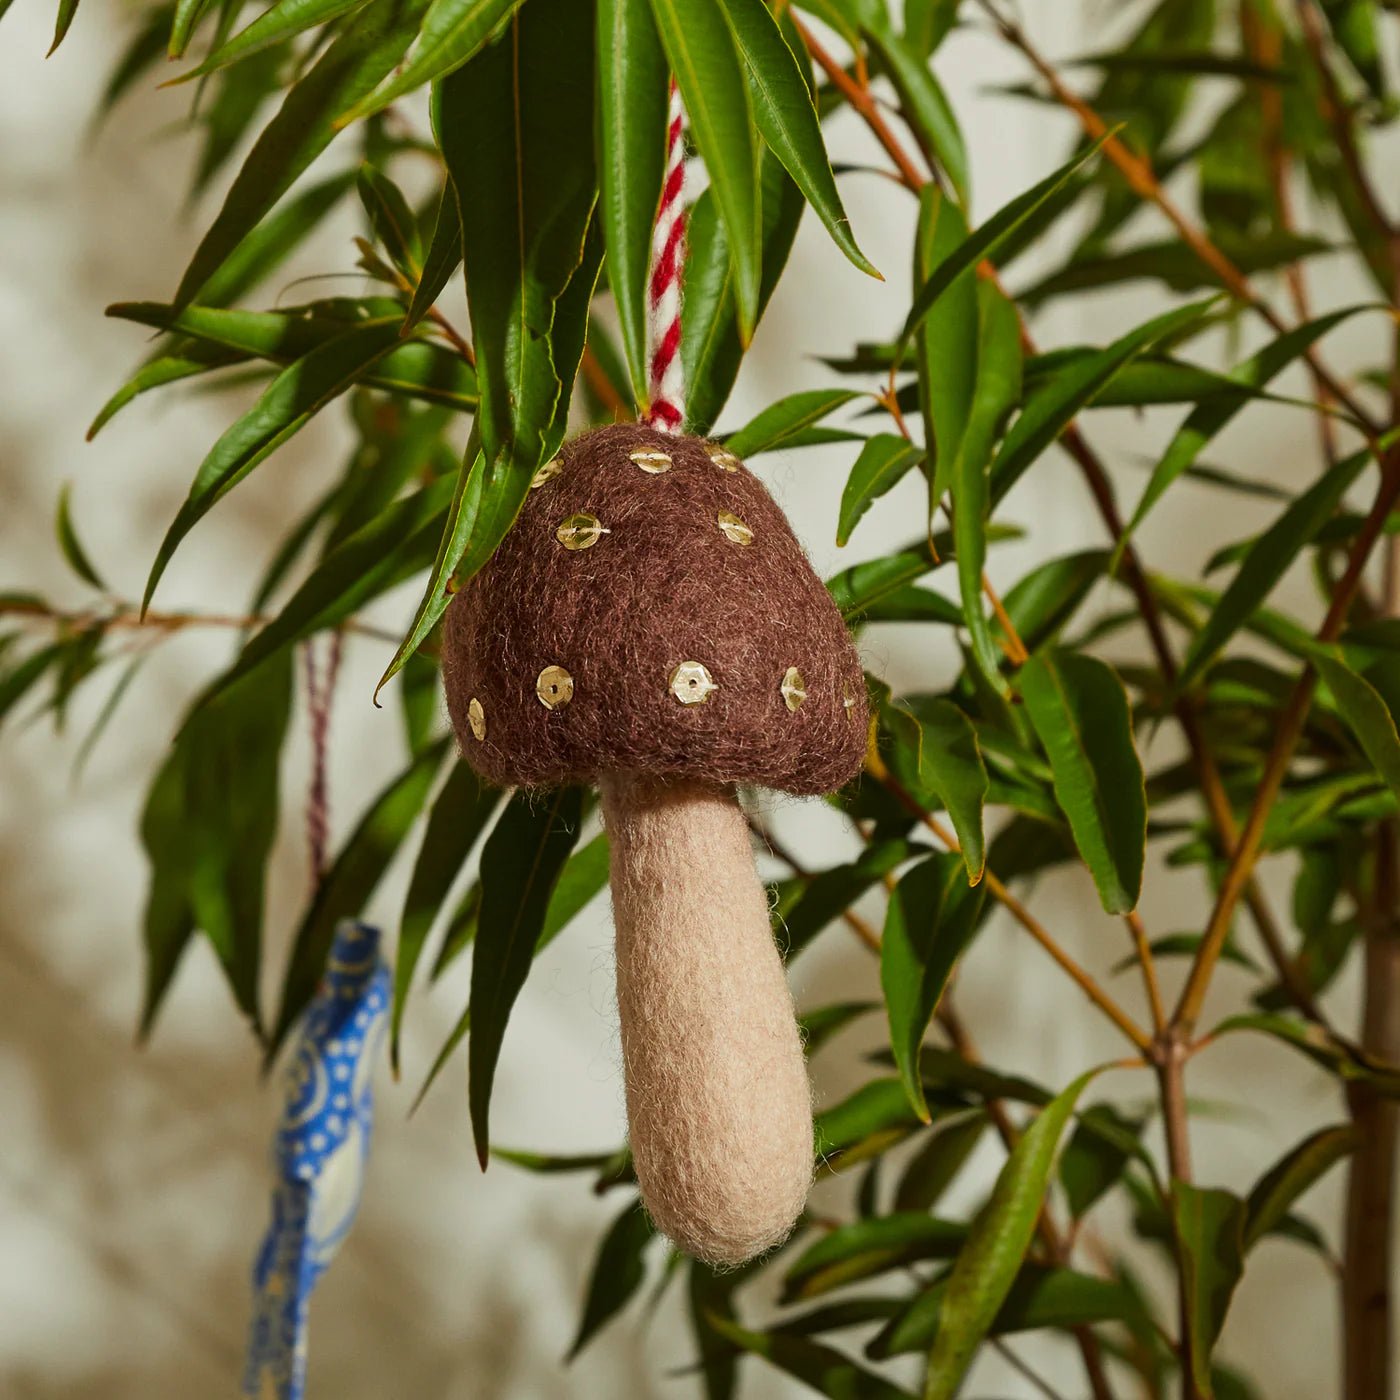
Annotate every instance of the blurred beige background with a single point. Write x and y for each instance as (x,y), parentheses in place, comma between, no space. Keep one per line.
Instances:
(132,1185)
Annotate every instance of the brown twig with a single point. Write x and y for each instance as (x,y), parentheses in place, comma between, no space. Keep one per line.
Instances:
(129,619)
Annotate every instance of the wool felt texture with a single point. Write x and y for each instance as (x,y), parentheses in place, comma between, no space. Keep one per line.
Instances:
(718,1102)
(664,581)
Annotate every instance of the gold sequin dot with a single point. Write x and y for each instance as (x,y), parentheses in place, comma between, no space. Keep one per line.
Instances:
(555,687)
(653,462)
(476,717)
(794,688)
(692,684)
(548,472)
(581,531)
(726,461)
(848,701)
(734,528)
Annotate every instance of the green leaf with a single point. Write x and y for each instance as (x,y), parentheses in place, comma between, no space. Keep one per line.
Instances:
(849,1253)
(819,1026)
(632,129)
(618,1272)
(884,461)
(998,389)
(780,422)
(358,58)
(923,103)
(1100,1148)
(946,341)
(516,129)
(1212,416)
(987,1266)
(1052,408)
(69,543)
(1039,1297)
(829,894)
(278,23)
(391,548)
(351,880)
(705,60)
(188,14)
(1276,1191)
(1367,713)
(1210,1232)
(67,9)
(454,32)
(712,348)
(208,828)
(520,864)
(987,239)
(286,406)
(390,219)
(877,1113)
(1079,710)
(1268,560)
(1337,1056)
(443,258)
(824,1369)
(937,1164)
(787,118)
(932,917)
(460,813)
(190,360)
(17,683)
(937,756)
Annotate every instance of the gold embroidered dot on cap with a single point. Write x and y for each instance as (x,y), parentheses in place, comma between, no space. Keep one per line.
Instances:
(653,462)
(726,461)
(794,688)
(734,528)
(548,472)
(848,701)
(581,531)
(476,717)
(692,684)
(555,687)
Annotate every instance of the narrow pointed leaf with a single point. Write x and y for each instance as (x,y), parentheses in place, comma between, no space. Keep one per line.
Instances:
(1280,1187)
(775,425)
(1210,1232)
(286,406)
(787,118)
(632,126)
(1367,713)
(932,917)
(618,1273)
(884,461)
(460,813)
(69,543)
(358,58)
(443,258)
(454,32)
(1269,558)
(1001,1234)
(520,864)
(706,63)
(823,1368)
(278,23)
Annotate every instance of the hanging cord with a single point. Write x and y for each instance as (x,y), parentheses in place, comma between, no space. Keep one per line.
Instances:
(320,692)
(666,382)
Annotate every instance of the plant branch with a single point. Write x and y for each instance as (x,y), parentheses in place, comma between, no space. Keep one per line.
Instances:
(1138,174)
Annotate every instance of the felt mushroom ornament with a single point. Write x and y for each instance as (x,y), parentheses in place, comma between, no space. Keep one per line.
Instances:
(651,624)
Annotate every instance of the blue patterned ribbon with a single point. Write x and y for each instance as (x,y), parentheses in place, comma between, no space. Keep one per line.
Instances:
(319,1157)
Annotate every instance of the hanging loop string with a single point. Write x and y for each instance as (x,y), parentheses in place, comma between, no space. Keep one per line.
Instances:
(320,692)
(665,378)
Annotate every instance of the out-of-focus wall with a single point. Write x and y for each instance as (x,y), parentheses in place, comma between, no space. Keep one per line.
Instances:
(132,1182)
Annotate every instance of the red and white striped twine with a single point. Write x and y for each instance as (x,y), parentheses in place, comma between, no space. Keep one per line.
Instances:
(320,691)
(665,379)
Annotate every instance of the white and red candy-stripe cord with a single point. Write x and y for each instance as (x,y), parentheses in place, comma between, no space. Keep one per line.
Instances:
(665,378)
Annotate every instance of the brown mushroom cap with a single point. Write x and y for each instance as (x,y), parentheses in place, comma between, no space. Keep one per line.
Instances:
(578,649)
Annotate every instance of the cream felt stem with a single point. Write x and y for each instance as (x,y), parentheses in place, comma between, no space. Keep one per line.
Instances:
(718,1104)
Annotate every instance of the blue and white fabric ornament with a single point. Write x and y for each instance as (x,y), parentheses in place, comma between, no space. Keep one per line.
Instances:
(319,1157)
